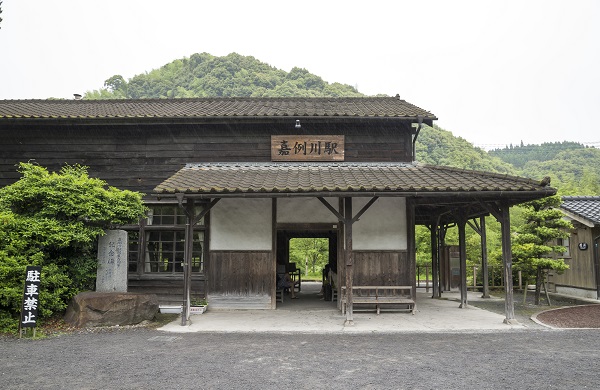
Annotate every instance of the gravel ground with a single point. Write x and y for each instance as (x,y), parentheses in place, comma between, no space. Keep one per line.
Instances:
(581,316)
(149,359)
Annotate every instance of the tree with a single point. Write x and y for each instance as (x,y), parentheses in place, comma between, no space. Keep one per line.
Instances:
(117,85)
(310,254)
(204,75)
(53,220)
(534,243)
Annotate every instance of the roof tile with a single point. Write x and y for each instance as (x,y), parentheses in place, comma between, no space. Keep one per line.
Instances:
(213,107)
(587,207)
(271,178)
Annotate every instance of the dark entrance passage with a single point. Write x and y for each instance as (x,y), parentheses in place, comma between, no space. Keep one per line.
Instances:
(297,247)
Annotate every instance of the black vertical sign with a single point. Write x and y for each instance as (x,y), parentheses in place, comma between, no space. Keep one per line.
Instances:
(31,297)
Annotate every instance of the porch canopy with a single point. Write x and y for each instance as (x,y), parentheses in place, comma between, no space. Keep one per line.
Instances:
(436,196)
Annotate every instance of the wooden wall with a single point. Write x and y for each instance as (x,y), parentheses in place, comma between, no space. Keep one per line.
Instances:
(382,268)
(168,289)
(581,273)
(140,156)
(241,279)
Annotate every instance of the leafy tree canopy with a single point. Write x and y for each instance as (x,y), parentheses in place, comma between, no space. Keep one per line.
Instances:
(234,75)
(53,220)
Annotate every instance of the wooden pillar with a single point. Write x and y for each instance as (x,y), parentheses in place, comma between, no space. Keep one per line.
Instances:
(412,245)
(509,307)
(484,259)
(462,245)
(349,259)
(187,260)
(435,259)
(441,243)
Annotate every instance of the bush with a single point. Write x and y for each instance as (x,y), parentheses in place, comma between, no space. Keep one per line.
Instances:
(53,220)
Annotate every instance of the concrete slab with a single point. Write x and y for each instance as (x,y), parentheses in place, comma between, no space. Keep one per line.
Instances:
(310,314)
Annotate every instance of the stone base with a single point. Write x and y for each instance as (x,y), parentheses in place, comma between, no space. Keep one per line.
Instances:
(109,309)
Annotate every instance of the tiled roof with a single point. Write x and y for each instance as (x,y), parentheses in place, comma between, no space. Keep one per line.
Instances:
(275,178)
(368,107)
(586,207)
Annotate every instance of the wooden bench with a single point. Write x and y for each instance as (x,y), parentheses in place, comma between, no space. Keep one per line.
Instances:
(380,295)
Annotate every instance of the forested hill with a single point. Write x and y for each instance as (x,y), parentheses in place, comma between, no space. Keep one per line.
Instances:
(573,167)
(205,75)
(440,147)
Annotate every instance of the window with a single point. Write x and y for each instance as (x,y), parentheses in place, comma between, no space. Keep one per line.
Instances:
(158,244)
(566,243)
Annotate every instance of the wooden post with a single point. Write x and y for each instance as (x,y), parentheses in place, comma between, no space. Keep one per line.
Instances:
(441,241)
(484,259)
(435,259)
(187,260)
(509,307)
(462,244)
(348,259)
(411,243)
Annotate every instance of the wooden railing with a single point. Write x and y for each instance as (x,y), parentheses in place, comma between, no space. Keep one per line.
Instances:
(474,280)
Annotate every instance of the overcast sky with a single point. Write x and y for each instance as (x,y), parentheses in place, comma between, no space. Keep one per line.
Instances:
(493,72)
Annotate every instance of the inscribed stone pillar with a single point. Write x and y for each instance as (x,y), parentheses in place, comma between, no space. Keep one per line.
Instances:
(112,262)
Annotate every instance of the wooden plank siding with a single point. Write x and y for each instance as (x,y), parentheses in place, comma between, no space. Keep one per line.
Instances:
(139,157)
(169,290)
(241,279)
(382,268)
(581,273)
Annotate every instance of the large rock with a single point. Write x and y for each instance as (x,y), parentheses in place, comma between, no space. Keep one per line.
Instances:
(108,309)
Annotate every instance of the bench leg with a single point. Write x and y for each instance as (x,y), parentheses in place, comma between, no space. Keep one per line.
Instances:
(377,306)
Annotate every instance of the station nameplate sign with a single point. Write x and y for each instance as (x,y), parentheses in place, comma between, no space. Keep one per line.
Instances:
(307,148)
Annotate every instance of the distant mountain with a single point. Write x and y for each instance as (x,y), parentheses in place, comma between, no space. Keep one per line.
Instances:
(573,167)
(204,75)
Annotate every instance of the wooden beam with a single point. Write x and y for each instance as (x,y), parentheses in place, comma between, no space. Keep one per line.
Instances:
(205,211)
(365,208)
(339,216)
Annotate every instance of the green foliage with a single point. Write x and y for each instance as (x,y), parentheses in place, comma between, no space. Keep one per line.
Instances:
(204,75)
(437,146)
(53,220)
(532,246)
(573,167)
(310,254)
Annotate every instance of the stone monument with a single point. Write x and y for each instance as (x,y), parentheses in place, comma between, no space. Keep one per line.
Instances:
(112,262)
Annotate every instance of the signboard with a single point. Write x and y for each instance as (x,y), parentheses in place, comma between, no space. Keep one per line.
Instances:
(31,296)
(307,148)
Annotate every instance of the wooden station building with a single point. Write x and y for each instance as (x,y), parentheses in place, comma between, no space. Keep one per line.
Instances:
(229,180)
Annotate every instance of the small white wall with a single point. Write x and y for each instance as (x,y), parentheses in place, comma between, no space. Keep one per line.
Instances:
(576,292)
(382,226)
(241,224)
(305,210)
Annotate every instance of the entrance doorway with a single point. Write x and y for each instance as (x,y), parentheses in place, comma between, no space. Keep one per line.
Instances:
(309,253)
